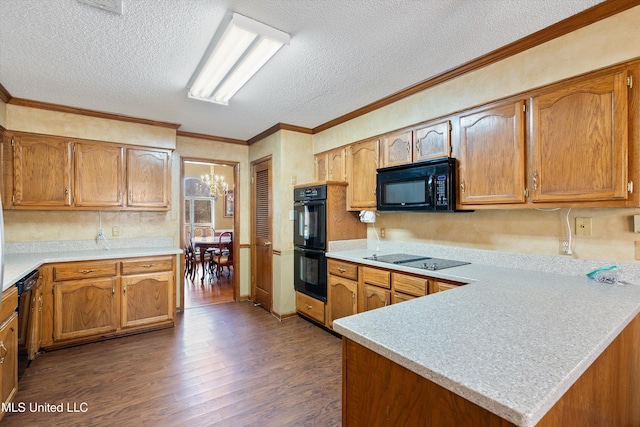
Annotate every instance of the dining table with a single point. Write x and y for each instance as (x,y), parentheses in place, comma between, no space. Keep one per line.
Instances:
(209,242)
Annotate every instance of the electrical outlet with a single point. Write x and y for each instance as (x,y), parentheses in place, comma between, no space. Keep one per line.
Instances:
(382,232)
(115,231)
(565,249)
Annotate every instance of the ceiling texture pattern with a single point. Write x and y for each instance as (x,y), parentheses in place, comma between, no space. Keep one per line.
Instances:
(344,54)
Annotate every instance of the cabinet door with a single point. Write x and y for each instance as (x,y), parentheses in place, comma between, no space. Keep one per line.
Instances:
(439,286)
(9,358)
(84,308)
(335,162)
(362,162)
(579,140)
(398,297)
(432,141)
(396,148)
(492,147)
(148,178)
(321,167)
(342,298)
(147,299)
(99,174)
(375,297)
(41,171)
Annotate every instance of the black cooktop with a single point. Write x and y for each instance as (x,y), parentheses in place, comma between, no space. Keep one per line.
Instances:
(417,261)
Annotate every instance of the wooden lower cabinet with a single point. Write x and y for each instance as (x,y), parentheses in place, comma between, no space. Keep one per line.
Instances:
(9,345)
(310,307)
(85,308)
(93,300)
(343,298)
(147,289)
(375,297)
(439,286)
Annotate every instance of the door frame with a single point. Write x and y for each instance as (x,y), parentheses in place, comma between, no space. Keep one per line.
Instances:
(236,222)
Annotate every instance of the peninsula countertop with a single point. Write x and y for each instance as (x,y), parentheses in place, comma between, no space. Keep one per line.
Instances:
(17,265)
(511,341)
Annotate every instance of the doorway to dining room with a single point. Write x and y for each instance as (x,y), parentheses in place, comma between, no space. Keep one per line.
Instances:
(208,228)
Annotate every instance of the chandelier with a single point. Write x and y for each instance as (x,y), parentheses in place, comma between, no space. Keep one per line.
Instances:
(216,184)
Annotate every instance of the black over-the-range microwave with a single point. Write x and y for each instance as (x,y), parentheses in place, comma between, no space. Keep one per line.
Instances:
(425,186)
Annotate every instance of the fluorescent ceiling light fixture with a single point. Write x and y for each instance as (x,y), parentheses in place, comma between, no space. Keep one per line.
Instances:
(245,46)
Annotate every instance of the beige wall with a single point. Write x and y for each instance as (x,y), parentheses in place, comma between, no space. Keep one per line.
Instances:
(604,43)
(292,163)
(3,114)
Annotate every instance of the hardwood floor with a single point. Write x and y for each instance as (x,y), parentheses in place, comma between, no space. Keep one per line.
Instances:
(226,364)
(211,291)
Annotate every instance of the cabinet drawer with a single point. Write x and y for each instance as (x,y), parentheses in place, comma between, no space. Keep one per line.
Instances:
(83,270)
(343,269)
(310,307)
(416,286)
(147,265)
(375,276)
(9,303)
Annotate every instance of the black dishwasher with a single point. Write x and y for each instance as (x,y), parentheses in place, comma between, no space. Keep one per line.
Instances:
(25,306)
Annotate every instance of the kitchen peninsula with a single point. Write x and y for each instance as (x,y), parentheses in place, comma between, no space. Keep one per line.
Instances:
(512,347)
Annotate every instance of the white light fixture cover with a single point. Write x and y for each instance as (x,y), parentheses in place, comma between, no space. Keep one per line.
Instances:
(245,46)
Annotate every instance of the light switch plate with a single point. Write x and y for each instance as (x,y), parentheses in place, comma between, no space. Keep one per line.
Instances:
(636,223)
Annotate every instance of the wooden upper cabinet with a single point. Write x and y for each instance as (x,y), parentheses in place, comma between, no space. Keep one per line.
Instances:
(41,171)
(396,148)
(336,163)
(321,167)
(432,141)
(362,162)
(492,154)
(330,165)
(99,174)
(148,178)
(579,140)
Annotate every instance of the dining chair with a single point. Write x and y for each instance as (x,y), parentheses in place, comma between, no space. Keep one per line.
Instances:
(190,259)
(224,258)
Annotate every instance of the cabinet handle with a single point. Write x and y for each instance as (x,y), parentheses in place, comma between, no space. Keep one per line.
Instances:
(4,349)
(417,147)
(113,291)
(148,265)
(119,195)
(86,271)
(130,196)
(353,298)
(309,307)
(124,289)
(535,180)
(341,270)
(462,187)
(66,191)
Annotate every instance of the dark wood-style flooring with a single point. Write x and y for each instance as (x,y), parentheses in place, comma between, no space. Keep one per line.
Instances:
(227,364)
(212,291)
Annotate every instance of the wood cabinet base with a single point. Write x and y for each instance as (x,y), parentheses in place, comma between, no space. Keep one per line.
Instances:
(379,392)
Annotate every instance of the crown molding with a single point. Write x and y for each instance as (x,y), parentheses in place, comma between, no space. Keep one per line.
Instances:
(4,94)
(211,137)
(277,127)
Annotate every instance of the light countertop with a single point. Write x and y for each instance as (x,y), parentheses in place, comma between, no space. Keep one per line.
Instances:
(512,341)
(17,265)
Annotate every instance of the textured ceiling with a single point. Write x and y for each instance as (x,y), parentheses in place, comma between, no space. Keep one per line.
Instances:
(344,54)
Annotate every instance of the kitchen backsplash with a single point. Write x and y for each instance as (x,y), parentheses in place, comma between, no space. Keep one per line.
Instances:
(86,245)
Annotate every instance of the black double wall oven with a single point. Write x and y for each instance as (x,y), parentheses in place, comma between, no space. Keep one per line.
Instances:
(310,240)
